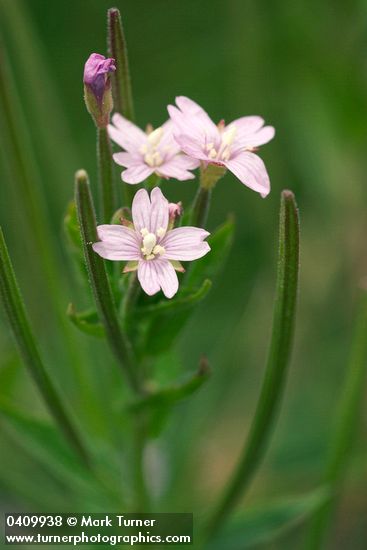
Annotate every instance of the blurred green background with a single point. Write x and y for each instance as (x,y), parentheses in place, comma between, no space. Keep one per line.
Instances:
(302,66)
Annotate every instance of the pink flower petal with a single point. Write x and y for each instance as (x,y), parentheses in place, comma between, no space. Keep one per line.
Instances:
(137,173)
(141,210)
(117,243)
(178,166)
(124,159)
(193,122)
(147,276)
(126,134)
(251,171)
(159,274)
(167,278)
(247,124)
(159,211)
(185,243)
(250,132)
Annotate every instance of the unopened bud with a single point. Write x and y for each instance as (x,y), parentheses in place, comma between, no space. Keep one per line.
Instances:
(97,88)
(175,211)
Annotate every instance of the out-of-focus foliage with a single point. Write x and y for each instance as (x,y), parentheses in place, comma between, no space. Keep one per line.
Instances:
(300,65)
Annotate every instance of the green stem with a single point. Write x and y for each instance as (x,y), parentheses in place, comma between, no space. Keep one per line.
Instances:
(121,81)
(99,280)
(278,359)
(132,294)
(18,321)
(346,425)
(200,207)
(107,189)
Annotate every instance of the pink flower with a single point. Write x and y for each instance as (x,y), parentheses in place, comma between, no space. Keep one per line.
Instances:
(230,146)
(150,246)
(146,153)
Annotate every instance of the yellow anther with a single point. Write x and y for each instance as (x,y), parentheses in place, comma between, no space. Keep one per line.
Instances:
(212,153)
(161,231)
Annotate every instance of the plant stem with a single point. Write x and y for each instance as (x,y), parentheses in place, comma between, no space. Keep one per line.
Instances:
(132,294)
(278,359)
(346,425)
(99,281)
(200,207)
(18,321)
(121,81)
(107,190)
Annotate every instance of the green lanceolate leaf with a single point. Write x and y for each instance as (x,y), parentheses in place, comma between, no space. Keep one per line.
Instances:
(167,319)
(220,242)
(99,280)
(175,393)
(176,305)
(158,404)
(264,524)
(19,324)
(161,333)
(278,360)
(87,321)
(42,440)
(71,228)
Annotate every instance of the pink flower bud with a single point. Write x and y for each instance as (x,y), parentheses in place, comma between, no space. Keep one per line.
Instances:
(175,210)
(97,87)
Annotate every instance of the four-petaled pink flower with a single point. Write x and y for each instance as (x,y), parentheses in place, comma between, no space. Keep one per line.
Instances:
(150,246)
(155,151)
(231,146)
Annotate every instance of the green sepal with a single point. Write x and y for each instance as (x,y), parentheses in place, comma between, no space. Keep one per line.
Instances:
(86,321)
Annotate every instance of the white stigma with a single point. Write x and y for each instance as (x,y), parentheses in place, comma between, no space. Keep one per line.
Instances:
(228,136)
(155,137)
(152,156)
(150,248)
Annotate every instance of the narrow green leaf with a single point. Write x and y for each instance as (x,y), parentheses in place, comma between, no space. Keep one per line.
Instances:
(264,524)
(347,422)
(43,442)
(208,267)
(121,81)
(157,405)
(87,321)
(165,323)
(71,227)
(19,324)
(107,189)
(175,393)
(278,360)
(176,305)
(99,280)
